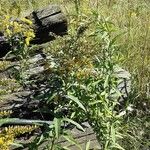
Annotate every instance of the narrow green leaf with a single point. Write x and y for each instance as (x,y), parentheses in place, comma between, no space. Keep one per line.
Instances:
(74,123)
(66,148)
(106,83)
(57,125)
(95,102)
(76,100)
(117,146)
(51,98)
(96,83)
(113,134)
(40,139)
(119,135)
(72,141)
(87,145)
(115,39)
(17,145)
(6,120)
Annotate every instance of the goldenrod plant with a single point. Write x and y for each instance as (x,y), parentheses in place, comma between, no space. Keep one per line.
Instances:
(5,113)
(17,33)
(8,134)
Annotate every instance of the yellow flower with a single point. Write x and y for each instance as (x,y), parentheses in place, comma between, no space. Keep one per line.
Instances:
(133,14)
(29,33)
(26,21)
(5,113)
(7,136)
(7,17)
(8,32)
(1,141)
(5,141)
(27,41)
(17,27)
(4,65)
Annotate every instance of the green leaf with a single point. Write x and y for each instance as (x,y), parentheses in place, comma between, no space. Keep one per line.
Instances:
(76,100)
(117,146)
(17,145)
(40,139)
(66,148)
(119,135)
(3,121)
(52,97)
(96,83)
(106,83)
(6,120)
(74,123)
(112,42)
(57,126)
(95,102)
(113,134)
(87,145)
(72,141)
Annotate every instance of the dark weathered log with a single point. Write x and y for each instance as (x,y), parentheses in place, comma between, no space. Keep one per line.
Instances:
(47,23)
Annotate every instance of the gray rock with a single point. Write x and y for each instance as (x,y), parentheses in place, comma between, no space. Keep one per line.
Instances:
(124,81)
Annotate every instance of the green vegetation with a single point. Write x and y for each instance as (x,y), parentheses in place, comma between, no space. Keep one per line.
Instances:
(102,34)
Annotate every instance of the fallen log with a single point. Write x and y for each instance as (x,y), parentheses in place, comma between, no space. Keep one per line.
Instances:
(46,21)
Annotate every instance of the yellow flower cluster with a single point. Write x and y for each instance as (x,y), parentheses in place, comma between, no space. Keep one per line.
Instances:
(5,141)
(8,134)
(5,113)
(29,36)
(4,65)
(8,86)
(12,28)
(5,82)
(27,21)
